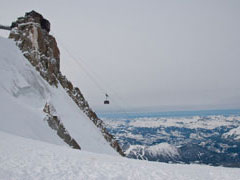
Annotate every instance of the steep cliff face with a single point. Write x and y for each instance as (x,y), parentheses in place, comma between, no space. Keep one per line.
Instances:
(31,34)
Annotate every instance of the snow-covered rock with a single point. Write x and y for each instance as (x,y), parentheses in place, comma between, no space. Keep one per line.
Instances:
(23,95)
(163,149)
(233,133)
(31,34)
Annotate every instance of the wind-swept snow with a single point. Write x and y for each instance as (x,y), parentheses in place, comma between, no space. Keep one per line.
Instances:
(23,95)
(27,159)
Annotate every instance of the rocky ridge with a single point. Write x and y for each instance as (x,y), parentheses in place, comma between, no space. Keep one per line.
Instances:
(31,34)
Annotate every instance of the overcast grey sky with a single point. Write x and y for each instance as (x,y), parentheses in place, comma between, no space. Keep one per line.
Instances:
(146,53)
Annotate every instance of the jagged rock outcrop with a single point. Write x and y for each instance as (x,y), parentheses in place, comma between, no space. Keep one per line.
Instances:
(31,34)
(55,123)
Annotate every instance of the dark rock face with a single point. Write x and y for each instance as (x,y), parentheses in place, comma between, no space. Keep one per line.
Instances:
(31,34)
(39,47)
(33,16)
(55,123)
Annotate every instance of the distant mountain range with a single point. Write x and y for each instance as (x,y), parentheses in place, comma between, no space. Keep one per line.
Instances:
(212,139)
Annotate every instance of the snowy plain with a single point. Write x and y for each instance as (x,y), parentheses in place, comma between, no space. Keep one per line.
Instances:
(22,158)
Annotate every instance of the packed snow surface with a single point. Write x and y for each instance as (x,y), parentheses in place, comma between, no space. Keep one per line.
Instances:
(22,158)
(23,95)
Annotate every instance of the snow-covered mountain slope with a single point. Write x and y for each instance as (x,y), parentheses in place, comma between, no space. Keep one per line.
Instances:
(200,137)
(233,133)
(22,158)
(161,151)
(23,95)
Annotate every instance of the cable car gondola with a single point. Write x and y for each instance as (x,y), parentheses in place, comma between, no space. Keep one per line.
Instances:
(106,101)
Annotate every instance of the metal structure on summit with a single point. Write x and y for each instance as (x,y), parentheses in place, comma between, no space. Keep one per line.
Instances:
(8,28)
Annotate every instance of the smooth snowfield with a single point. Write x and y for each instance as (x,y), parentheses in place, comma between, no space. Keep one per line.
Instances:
(23,95)
(22,158)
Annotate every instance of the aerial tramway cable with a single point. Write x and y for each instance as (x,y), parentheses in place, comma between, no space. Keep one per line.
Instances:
(90,75)
(85,70)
